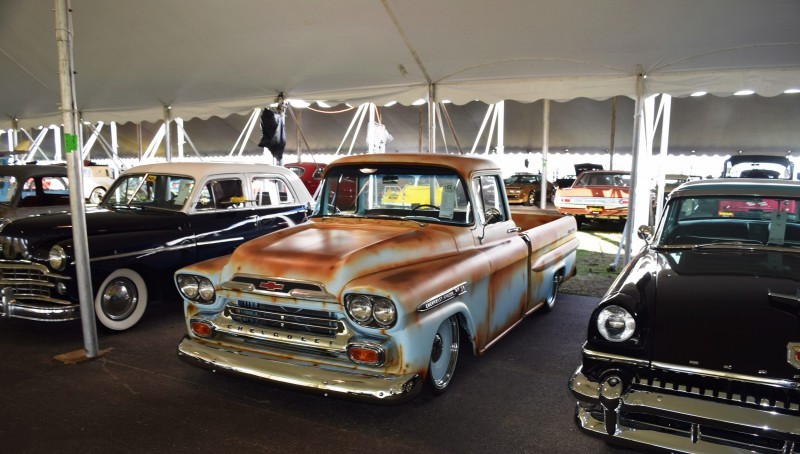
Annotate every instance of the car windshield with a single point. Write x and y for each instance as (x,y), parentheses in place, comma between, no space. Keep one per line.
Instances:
(421,194)
(522,179)
(745,220)
(603,179)
(770,167)
(168,192)
(8,188)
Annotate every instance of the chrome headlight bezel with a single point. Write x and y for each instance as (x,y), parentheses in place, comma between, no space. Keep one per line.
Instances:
(196,288)
(57,258)
(371,311)
(615,323)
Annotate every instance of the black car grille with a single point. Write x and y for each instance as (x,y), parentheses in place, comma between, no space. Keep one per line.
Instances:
(27,281)
(286,318)
(738,392)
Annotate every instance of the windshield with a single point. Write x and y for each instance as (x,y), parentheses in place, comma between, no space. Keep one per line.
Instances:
(522,179)
(404,192)
(169,192)
(749,220)
(758,167)
(603,179)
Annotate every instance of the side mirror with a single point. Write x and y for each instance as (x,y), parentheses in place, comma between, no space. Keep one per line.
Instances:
(645,232)
(491,216)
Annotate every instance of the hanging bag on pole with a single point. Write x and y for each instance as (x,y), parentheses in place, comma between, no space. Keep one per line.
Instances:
(273,133)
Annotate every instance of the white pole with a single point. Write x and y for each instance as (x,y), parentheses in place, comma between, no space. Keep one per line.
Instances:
(431,118)
(545,149)
(69,114)
(167,133)
(501,127)
(637,132)
(483,126)
(666,104)
(349,128)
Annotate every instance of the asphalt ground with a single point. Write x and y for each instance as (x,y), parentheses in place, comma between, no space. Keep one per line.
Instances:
(141,398)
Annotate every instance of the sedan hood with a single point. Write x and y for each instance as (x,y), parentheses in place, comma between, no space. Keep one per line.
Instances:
(45,230)
(730,311)
(333,252)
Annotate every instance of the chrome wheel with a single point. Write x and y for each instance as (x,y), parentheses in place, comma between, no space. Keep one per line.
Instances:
(444,355)
(121,300)
(531,199)
(550,302)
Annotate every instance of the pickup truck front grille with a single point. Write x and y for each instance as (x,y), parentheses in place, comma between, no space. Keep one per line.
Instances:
(285,318)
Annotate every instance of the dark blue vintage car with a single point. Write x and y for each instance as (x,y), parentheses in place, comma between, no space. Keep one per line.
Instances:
(153,220)
(696,346)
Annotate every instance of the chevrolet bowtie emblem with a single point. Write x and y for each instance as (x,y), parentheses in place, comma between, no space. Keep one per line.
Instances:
(271,286)
(793,354)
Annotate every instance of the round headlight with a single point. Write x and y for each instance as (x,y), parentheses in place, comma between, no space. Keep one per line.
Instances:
(206,289)
(57,258)
(360,309)
(384,312)
(615,323)
(188,286)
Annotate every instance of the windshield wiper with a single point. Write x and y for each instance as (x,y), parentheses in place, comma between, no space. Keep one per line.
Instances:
(746,244)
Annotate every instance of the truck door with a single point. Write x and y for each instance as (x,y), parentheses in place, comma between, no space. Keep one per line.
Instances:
(506,252)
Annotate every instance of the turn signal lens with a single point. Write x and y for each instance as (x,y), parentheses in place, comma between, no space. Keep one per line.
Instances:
(201,328)
(615,324)
(365,354)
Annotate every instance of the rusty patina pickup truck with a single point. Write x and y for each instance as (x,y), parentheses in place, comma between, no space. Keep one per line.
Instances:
(373,299)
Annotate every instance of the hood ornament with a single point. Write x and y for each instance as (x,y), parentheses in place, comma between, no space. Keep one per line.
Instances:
(793,354)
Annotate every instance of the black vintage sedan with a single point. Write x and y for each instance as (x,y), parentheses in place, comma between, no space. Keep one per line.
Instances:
(696,346)
(154,219)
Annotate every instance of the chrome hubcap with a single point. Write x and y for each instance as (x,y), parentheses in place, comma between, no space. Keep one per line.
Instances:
(119,299)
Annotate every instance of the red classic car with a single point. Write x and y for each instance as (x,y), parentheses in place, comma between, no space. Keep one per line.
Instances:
(310,174)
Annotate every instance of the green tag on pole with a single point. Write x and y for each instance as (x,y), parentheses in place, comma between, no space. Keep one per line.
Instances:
(70,142)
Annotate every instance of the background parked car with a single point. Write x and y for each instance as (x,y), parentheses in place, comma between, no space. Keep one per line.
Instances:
(596,194)
(155,219)
(525,188)
(310,173)
(26,190)
(96,181)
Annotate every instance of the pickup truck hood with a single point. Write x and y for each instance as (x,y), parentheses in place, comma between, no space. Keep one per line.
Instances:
(714,311)
(333,252)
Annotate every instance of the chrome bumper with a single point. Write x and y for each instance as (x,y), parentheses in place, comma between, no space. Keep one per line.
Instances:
(10,307)
(617,408)
(346,382)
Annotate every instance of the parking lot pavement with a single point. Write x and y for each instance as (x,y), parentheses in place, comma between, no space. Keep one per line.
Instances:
(141,398)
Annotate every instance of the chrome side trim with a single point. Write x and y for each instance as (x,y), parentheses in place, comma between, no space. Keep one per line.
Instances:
(143,252)
(443,297)
(599,356)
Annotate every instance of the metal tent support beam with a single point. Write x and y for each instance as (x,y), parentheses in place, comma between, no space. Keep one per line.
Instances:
(431,118)
(69,114)
(665,114)
(545,150)
(638,123)
(168,133)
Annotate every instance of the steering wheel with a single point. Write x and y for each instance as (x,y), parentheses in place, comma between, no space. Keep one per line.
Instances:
(423,205)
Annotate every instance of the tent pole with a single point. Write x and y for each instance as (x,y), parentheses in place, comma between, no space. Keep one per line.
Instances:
(613,133)
(490,136)
(446,116)
(501,127)
(545,150)
(431,118)
(636,149)
(167,133)
(666,105)
(69,114)
(483,125)
(349,128)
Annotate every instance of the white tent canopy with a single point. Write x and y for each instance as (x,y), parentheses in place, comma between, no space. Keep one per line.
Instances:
(206,57)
